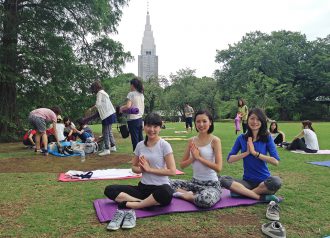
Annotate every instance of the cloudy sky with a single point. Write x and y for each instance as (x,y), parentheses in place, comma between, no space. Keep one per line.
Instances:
(188,32)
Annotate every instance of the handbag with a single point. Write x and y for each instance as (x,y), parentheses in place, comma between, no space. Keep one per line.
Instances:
(123,129)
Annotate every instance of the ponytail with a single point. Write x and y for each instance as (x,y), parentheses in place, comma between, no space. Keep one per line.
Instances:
(137,85)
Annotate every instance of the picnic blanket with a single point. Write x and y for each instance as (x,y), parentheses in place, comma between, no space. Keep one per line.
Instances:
(319,152)
(321,163)
(101,174)
(54,151)
(106,208)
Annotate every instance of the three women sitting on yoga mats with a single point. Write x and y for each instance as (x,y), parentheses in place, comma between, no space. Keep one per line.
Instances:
(154,159)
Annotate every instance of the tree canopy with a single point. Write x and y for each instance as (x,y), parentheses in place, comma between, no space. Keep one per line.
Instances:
(51,51)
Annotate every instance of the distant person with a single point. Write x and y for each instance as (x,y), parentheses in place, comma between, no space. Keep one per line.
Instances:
(237,122)
(306,140)
(29,138)
(83,131)
(135,99)
(154,159)
(203,153)
(39,119)
(277,135)
(107,114)
(257,150)
(69,129)
(188,113)
(243,112)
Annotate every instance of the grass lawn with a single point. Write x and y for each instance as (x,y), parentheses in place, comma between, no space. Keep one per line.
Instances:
(34,204)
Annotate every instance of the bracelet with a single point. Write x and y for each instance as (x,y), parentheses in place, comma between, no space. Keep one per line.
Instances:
(258,155)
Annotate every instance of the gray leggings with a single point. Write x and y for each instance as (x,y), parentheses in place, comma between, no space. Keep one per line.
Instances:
(108,138)
(207,193)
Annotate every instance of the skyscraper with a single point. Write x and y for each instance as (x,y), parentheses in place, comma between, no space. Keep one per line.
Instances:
(148,60)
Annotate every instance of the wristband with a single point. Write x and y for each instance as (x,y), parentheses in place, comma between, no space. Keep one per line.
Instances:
(258,155)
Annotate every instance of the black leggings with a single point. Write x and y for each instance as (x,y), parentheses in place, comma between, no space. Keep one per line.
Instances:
(161,193)
(299,144)
(278,139)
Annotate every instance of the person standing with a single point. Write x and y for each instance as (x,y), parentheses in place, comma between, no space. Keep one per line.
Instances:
(243,111)
(135,99)
(39,118)
(107,114)
(188,113)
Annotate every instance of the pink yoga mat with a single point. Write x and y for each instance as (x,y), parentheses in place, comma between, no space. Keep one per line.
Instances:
(64,178)
(105,208)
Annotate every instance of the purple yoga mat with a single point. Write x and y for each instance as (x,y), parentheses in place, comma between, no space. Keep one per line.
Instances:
(105,208)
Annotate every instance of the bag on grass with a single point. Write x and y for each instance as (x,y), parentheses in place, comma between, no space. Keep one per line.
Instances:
(123,129)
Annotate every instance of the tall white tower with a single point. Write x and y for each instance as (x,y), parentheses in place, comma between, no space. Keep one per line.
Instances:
(148,60)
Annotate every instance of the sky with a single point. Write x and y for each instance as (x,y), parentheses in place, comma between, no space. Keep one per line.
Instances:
(187,33)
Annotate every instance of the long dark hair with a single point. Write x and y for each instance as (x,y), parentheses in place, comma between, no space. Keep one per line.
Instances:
(263,131)
(137,85)
(308,124)
(208,114)
(152,119)
(276,128)
(243,102)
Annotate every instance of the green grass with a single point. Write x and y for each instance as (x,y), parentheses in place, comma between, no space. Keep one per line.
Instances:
(36,205)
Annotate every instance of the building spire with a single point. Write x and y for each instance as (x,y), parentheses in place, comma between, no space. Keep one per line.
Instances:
(148,7)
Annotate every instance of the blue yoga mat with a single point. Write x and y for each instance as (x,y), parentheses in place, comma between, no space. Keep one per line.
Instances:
(321,163)
(55,151)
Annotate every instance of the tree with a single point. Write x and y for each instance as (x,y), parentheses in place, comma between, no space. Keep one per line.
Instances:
(54,50)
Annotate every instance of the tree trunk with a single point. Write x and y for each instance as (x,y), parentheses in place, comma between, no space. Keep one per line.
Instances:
(8,71)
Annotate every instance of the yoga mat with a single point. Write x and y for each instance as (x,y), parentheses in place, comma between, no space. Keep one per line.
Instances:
(65,178)
(105,208)
(174,138)
(319,152)
(321,163)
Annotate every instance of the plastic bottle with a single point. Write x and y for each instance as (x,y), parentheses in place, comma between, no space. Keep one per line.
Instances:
(82,156)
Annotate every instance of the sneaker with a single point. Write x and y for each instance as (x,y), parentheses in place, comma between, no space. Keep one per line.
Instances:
(129,220)
(104,152)
(117,220)
(274,229)
(273,211)
(113,149)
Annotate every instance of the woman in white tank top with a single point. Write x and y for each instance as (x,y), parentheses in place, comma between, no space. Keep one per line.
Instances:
(204,153)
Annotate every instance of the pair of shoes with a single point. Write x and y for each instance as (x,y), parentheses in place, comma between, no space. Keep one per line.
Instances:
(274,229)
(113,149)
(104,152)
(123,219)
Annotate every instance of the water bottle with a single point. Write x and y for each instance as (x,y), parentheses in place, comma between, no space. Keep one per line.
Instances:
(82,156)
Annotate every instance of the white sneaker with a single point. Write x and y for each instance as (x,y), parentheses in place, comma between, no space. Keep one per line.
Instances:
(113,149)
(129,220)
(104,152)
(117,220)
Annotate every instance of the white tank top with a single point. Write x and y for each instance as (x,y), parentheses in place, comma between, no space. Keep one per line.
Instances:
(201,171)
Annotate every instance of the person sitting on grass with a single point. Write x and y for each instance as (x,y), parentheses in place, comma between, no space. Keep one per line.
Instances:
(255,145)
(306,140)
(154,159)
(277,135)
(203,152)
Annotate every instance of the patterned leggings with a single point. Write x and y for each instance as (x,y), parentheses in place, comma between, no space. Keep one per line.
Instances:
(207,193)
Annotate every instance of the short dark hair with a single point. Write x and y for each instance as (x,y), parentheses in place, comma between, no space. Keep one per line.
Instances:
(208,114)
(152,119)
(96,86)
(57,110)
